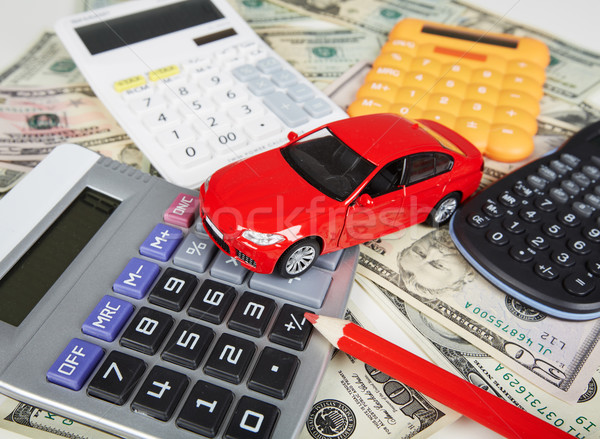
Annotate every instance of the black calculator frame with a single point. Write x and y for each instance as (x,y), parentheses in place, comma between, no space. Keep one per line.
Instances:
(495,264)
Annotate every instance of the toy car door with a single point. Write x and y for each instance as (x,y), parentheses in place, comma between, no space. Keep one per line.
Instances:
(374,212)
(424,181)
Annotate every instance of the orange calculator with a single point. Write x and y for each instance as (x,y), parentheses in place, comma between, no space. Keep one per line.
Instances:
(486,86)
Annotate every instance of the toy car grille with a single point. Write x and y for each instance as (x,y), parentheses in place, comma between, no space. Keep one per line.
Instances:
(248,260)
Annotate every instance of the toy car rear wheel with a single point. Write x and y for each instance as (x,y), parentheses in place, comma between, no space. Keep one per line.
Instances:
(444,209)
(298,258)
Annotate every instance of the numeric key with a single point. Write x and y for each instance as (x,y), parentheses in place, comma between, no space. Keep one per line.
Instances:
(173,289)
(146,331)
(205,408)
(188,344)
(230,358)
(116,378)
(160,393)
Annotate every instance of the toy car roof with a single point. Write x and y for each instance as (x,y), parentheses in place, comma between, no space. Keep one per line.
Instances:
(382,137)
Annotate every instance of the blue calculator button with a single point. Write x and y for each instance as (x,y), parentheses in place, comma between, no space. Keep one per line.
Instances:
(161,242)
(75,364)
(107,318)
(137,277)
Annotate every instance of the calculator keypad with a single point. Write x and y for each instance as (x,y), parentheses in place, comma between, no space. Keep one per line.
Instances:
(222,107)
(536,232)
(491,100)
(186,328)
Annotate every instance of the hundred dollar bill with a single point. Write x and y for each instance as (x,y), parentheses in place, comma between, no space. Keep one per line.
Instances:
(35,120)
(422,266)
(35,423)
(46,63)
(460,357)
(357,401)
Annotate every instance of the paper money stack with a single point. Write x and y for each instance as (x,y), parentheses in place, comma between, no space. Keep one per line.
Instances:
(415,279)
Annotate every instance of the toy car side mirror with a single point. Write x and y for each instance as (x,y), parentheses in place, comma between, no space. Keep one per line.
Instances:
(292,136)
(365,200)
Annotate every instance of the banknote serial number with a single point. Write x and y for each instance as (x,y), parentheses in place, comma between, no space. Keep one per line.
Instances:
(543,410)
(507,328)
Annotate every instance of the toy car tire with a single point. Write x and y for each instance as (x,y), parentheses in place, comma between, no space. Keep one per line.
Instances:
(298,258)
(444,209)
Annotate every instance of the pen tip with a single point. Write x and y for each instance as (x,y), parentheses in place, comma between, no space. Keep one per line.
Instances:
(312,318)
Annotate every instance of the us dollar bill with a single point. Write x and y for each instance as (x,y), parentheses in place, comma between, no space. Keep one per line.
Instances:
(33,120)
(45,63)
(422,266)
(34,423)
(356,400)
(321,55)
(375,16)
(259,14)
(462,358)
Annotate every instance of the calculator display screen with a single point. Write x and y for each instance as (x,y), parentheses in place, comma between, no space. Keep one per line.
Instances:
(33,275)
(129,29)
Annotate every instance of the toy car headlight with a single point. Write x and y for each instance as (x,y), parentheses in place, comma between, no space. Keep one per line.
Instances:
(262,238)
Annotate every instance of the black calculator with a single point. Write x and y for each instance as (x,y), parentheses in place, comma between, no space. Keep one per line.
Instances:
(119,312)
(535,234)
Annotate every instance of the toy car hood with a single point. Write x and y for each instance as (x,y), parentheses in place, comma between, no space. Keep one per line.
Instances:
(277,192)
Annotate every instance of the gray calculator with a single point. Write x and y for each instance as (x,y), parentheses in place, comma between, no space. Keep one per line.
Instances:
(119,312)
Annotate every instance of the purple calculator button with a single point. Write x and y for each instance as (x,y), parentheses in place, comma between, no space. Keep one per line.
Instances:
(161,242)
(75,364)
(137,277)
(107,318)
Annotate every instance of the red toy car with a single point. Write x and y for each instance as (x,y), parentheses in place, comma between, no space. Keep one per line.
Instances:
(344,183)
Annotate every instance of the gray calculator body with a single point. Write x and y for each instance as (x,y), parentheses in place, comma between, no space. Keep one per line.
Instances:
(29,347)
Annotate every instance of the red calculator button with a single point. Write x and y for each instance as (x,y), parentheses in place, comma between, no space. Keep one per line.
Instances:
(182,211)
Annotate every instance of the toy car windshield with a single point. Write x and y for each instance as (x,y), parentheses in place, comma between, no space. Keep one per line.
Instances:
(328,164)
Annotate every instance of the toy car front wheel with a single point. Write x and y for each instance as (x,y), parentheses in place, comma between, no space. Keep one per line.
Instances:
(444,209)
(298,258)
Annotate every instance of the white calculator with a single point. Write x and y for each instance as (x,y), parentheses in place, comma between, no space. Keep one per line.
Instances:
(118,311)
(191,83)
